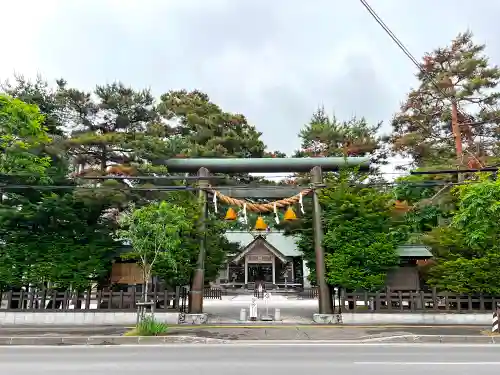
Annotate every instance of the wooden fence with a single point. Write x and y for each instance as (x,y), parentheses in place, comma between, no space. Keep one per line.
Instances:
(53,300)
(213,293)
(409,301)
(362,302)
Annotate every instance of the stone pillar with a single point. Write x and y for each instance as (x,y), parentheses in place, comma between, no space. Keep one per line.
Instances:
(324,299)
(196,293)
(305,274)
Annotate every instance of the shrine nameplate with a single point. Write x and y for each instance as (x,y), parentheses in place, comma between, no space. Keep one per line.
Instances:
(260,258)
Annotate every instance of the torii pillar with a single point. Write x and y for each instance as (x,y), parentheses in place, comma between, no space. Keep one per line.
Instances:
(196,295)
(324,297)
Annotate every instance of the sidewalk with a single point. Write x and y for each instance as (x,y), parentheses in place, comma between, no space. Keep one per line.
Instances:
(270,332)
(249,335)
(291,332)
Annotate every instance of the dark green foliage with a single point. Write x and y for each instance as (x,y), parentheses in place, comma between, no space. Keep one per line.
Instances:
(58,240)
(328,136)
(114,130)
(360,237)
(205,130)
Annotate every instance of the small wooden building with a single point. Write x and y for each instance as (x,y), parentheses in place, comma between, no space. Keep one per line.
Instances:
(407,277)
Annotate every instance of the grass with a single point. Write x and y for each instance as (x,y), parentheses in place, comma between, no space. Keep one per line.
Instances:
(148,327)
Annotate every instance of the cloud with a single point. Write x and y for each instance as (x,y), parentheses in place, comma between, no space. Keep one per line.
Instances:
(274,61)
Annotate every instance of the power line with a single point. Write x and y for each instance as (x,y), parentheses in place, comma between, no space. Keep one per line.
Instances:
(429,183)
(403,48)
(162,177)
(170,178)
(456,171)
(396,40)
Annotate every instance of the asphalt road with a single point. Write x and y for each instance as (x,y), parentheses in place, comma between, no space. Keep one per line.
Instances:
(250,360)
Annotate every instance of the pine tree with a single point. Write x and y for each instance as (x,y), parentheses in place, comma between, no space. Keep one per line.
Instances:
(460,72)
(114,127)
(203,129)
(327,136)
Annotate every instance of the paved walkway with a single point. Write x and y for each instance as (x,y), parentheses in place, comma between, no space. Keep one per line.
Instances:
(292,310)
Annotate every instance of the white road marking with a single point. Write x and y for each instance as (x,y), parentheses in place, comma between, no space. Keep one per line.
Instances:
(385,338)
(428,363)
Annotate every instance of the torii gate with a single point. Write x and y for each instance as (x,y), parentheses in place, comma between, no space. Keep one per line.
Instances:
(316,166)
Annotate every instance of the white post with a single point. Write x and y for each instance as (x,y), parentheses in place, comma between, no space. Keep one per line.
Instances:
(243,315)
(277,315)
(494,323)
(253,309)
(266,301)
(274,270)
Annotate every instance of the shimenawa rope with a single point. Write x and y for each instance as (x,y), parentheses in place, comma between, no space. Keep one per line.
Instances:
(261,207)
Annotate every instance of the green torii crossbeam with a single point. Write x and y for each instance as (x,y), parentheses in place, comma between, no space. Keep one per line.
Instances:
(265,165)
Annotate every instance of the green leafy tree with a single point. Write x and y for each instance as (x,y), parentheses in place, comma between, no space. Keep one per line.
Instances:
(467,250)
(461,73)
(21,134)
(154,232)
(39,93)
(467,276)
(185,256)
(477,212)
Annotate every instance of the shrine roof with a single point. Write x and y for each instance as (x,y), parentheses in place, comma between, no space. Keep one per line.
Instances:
(287,246)
(284,244)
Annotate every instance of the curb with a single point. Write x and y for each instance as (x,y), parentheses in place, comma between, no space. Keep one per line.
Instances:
(280,324)
(179,340)
(105,340)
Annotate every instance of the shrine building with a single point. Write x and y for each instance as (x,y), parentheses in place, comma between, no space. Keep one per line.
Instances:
(274,260)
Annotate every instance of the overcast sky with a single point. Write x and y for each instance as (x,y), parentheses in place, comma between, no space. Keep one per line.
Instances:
(273,60)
